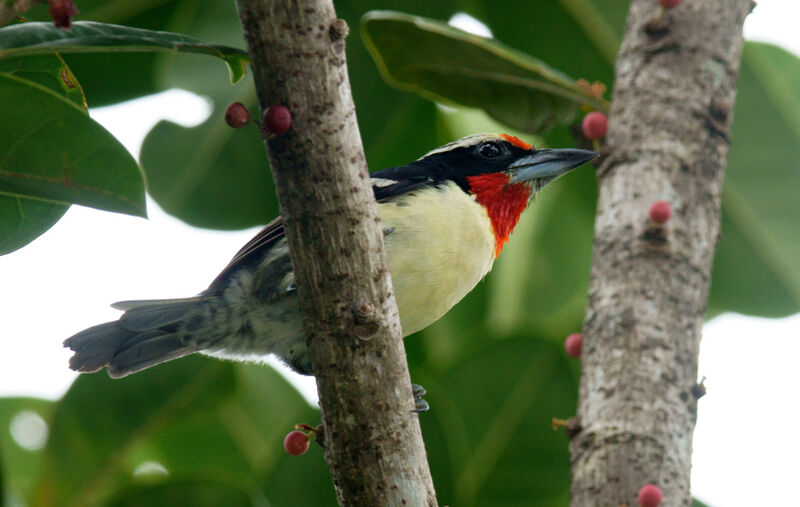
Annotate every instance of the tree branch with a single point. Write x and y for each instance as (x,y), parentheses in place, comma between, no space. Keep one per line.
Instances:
(668,140)
(373,443)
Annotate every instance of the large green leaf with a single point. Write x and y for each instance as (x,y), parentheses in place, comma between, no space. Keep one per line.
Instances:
(91,37)
(444,63)
(196,420)
(240,442)
(488,434)
(265,409)
(49,71)
(197,493)
(55,152)
(100,421)
(578,37)
(756,269)
(125,75)
(206,20)
(210,175)
(396,127)
(23,219)
(20,457)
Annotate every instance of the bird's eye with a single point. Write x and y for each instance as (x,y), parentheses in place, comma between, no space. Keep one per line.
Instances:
(489,150)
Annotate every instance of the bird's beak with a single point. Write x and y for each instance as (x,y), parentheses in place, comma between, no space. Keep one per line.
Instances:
(548,164)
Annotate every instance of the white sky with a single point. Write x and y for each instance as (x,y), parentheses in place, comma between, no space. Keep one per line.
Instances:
(746,446)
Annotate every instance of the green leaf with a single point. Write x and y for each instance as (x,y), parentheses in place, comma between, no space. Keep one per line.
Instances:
(264,410)
(125,75)
(24,216)
(188,168)
(396,127)
(755,268)
(130,75)
(444,63)
(22,220)
(20,463)
(240,443)
(49,71)
(210,175)
(54,152)
(241,440)
(578,37)
(488,434)
(91,37)
(207,20)
(100,421)
(197,493)
(195,420)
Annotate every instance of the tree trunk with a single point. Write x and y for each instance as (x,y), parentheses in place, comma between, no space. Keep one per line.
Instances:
(668,140)
(373,443)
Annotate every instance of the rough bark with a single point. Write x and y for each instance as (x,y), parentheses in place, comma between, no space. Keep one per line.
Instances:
(373,443)
(668,140)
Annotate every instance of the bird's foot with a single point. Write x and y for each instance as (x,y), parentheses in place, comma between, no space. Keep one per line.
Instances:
(420,405)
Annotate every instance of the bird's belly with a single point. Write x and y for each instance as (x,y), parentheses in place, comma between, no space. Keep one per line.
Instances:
(437,254)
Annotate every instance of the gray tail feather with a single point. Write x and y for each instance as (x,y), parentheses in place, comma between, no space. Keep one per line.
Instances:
(144,336)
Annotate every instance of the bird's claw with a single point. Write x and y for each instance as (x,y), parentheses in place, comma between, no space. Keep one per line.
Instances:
(420,405)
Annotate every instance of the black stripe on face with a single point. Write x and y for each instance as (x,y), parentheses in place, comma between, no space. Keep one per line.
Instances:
(486,155)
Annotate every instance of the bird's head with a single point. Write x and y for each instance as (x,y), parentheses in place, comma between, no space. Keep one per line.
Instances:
(503,173)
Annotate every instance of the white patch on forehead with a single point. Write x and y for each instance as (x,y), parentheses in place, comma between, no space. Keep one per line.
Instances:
(464,142)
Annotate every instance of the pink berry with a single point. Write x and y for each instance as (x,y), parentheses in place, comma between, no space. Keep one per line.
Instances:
(62,11)
(574,344)
(660,212)
(296,443)
(650,496)
(237,116)
(669,4)
(595,125)
(277,120)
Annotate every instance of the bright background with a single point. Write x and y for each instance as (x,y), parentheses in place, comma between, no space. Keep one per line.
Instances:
(746,447)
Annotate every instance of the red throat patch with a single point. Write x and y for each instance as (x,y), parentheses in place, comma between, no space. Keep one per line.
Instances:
(503,202)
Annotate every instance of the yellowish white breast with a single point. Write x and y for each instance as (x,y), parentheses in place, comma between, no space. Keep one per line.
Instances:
(442,245)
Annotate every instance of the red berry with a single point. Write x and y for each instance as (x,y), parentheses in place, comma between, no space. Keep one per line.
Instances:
(595,125)
(237,116)
(669,4)
(62,11)
(574,344)
(660,212)
(277,120)
(296,443)
(650,496)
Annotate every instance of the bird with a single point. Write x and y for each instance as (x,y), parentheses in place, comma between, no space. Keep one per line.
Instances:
(446,217)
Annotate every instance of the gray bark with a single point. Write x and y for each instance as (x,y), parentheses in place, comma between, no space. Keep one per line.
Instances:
(373,443)
(668,140)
